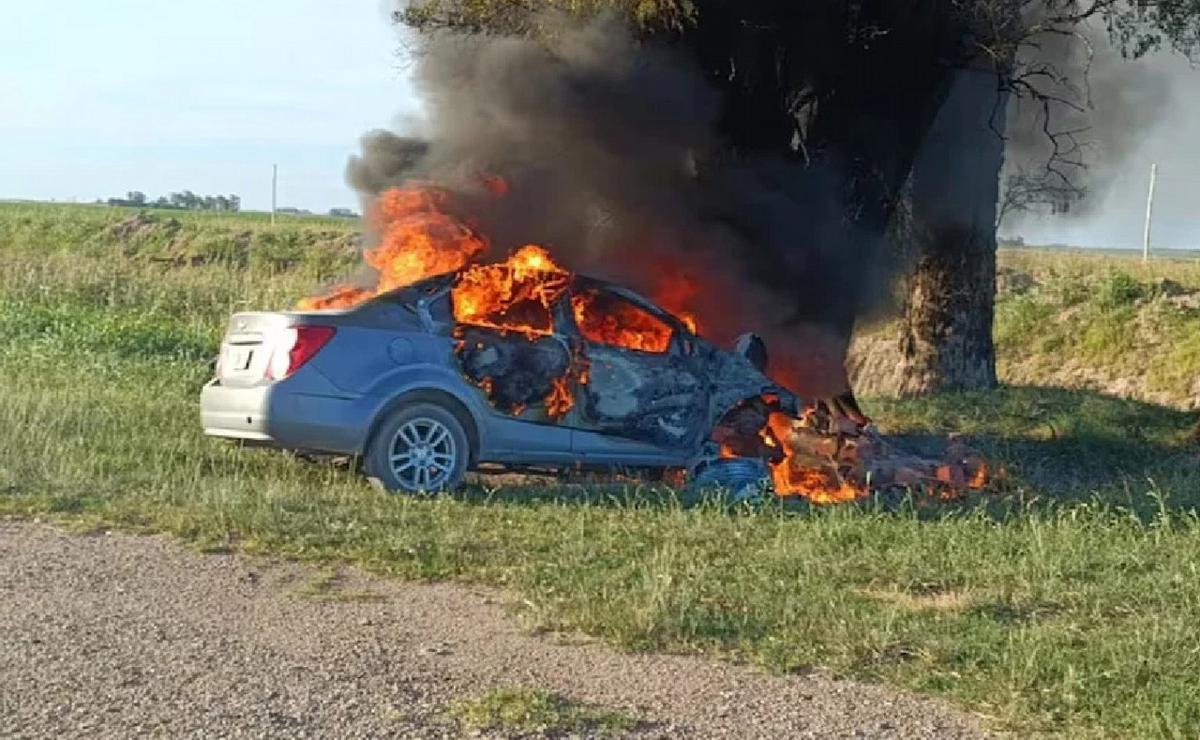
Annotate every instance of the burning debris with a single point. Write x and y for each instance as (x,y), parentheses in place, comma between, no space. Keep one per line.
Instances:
(626,368)
(832,454)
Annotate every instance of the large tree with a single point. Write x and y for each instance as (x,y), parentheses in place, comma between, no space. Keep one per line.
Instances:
(1023,52)
(847,92)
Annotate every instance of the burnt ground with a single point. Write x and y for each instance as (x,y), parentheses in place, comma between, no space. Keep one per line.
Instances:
(114,635)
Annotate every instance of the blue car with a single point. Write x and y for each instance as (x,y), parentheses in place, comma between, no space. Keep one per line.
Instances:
(424,398)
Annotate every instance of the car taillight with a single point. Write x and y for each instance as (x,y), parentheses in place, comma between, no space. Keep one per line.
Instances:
(296,346)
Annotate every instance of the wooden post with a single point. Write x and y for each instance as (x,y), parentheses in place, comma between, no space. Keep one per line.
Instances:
(1149,213)
(274,189)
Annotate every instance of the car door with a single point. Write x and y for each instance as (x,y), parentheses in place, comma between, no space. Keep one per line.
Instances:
(518,377)
(641,380)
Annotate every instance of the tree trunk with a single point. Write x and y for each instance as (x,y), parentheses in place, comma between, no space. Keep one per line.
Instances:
(950,227)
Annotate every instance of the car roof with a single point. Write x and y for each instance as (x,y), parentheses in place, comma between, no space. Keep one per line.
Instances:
(435,284)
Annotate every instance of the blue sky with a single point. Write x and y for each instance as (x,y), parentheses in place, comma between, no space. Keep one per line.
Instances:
(97,98)
(104,97)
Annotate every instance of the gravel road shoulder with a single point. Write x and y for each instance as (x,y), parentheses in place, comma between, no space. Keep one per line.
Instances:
(116,635)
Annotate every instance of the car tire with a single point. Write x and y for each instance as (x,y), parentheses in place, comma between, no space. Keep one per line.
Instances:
(421,448)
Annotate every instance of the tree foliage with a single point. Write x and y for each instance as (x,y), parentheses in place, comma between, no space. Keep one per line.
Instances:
(1136,25)
(526,16)
(780,61)
(1140,27)
(185,200)
(1043,52)
(859,80)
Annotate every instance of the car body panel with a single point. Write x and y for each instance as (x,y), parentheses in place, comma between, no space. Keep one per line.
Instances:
(654,398)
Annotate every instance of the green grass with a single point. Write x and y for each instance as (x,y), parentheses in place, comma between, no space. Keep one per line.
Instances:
(1066,602)
(533,711)
(1102,321)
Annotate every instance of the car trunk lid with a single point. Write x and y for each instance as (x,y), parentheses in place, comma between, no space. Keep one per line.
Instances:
(252,339)
(246,349)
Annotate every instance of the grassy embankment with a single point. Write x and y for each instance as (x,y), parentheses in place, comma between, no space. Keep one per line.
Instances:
(1090,320)
(1066,603)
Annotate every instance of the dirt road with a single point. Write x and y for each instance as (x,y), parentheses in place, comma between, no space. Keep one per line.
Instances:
(122,636)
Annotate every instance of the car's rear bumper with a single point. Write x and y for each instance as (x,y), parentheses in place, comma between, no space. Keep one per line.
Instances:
(272,414)
(236,413)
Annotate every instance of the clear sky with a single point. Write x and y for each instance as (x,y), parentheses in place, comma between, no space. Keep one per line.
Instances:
(97,98)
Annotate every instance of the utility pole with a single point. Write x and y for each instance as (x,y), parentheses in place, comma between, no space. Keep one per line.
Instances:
(1149,213)
(274,189)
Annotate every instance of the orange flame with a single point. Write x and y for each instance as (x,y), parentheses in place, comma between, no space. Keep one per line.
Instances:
(417,240)
(343,296)
(980,479)
(560,401)
(514,295)
(792,478)
(792,474)
(603,320)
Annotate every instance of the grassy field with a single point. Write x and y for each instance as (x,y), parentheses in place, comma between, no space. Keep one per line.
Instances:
(1108,322)
(1090,320)
(1065,603)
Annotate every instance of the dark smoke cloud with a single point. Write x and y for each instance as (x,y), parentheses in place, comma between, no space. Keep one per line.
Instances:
(608,147)
(594,135)
(1113,102)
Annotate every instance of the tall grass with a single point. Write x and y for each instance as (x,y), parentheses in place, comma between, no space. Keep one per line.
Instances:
(1065,602)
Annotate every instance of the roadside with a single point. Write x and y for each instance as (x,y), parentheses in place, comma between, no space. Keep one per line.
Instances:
(116,636)
(1077,319)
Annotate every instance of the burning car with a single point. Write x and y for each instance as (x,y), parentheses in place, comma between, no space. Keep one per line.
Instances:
(518,363)
(449,362)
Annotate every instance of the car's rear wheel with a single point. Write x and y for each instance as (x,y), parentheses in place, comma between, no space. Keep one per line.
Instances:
(421,448)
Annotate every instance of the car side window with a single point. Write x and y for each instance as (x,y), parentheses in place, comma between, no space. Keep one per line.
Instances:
(498,297)
(424,306)
(608,319)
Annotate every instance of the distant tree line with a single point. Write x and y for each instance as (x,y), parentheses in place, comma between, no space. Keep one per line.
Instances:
(189,201)
(185,201)
(334,212)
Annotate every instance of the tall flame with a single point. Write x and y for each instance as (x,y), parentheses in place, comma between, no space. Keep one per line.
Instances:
(514,295)
(417,239)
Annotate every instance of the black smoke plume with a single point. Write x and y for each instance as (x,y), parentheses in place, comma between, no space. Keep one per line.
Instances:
(610,152)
